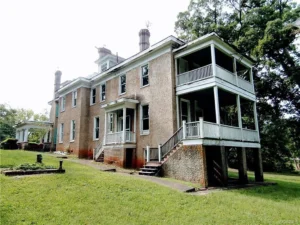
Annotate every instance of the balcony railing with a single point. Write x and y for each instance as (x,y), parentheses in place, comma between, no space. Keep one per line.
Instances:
(195,130)
(194,75)
(118,137)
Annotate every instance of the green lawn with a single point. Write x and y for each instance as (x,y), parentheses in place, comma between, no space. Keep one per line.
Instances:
(85,195)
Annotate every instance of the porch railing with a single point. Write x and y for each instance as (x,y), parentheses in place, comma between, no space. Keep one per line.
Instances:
(118,137)
(172,142)
(97,151)
(194,75)
(201,129)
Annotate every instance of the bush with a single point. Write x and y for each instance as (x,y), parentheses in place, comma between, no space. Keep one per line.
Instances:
(9,143)
(34,166)
(33,146)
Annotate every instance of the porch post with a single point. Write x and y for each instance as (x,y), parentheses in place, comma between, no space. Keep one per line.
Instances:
(255,119)
(21,135)
(259,176)
(134,125)
(105,128)
(242,160)
(201,131)
(148,153)
(217,110)
(177,111)
(17,134)
(183,129)
(124,125)
(234,70)
(224,164)
(159,153)
(213,59)
(26,135)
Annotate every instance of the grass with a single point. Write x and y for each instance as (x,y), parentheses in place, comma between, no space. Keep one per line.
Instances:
(85,195)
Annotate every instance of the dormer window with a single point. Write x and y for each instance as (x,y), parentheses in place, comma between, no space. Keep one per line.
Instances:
(104,66)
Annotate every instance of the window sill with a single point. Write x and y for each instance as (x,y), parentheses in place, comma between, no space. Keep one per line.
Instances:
(62,111)
(145,86)
(144,133)
(122,93)
(93,104)
(60,142)
(73,106)
(102,101)
(96,139)
(72,141)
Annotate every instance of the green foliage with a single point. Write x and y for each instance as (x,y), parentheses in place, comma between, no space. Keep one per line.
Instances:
(85,195)
(263,30)
(34,166)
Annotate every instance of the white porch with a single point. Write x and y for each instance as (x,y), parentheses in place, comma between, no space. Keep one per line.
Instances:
(120,122)
(25,129)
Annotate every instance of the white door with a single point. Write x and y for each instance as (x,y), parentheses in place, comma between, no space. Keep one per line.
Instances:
(185,109)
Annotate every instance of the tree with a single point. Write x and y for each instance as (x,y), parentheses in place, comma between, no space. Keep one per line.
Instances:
(263,30)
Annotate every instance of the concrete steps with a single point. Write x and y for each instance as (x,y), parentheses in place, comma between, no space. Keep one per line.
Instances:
(100,158)
(150,169)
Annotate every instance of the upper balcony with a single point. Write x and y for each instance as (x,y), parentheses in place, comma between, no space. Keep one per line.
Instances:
(212,65)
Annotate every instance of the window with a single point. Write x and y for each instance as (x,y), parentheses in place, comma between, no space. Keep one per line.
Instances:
(61,133)
(96,128)
(145,119)
(102,92)
(62,103)
(145,77)
(122,84)
(72,133)
(74,98)
(104,67)
(93,96)
(111,122)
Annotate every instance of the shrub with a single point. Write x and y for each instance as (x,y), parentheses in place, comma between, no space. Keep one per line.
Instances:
(34,166)
(9,143)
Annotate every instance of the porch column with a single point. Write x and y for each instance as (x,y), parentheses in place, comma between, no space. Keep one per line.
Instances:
(203,167)
(224,165)
(17,134)
(238,102)
(234,70)
(177,111)
(22,135)
(259,176)
(213,59)
(242,160)
(124,124)
(217,110)
(105,128)
(26,135)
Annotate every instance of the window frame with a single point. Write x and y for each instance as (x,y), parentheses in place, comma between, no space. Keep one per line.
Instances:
(93,96)
(142,131)
(61,133)
(142,76)
(101,92)
(63,103)
(74,98)
(120,84)
(95,128)
(72,130)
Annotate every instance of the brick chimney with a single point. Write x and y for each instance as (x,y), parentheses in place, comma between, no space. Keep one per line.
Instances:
(144,39)
(57,82)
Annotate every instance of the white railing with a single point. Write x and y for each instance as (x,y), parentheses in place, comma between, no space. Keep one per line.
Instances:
(194,75)
(201,129)
(97,151)
(231,78)
(130,136)
(193,129)
(246,85)
(118,137)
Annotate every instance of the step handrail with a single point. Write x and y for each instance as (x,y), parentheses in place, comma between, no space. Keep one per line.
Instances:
(172,142)
(98,150)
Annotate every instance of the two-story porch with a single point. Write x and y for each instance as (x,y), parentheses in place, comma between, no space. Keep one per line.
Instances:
(119,141)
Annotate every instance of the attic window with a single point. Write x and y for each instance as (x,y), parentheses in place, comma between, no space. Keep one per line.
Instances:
(104,67)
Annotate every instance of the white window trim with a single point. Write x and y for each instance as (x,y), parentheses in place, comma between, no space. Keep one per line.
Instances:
(144,132)
(73,98)
(101,92)
(94,129)
(71,131)
(120,85)
(61,133)
(91,96)
(189,109)
(63,100)
(141,76)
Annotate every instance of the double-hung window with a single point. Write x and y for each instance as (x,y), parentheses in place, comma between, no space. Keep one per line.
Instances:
(102,92)
(74,98)
(122,84)
(145,119)
(61,133)
(96,128)
(62,103)
(72,133)
(93,96)
(145,75)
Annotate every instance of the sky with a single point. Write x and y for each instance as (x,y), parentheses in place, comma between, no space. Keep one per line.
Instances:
(37,37)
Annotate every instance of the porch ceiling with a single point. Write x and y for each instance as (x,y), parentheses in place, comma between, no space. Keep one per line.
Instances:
(120,103)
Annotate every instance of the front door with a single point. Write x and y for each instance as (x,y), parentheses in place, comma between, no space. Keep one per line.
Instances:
(185,106)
